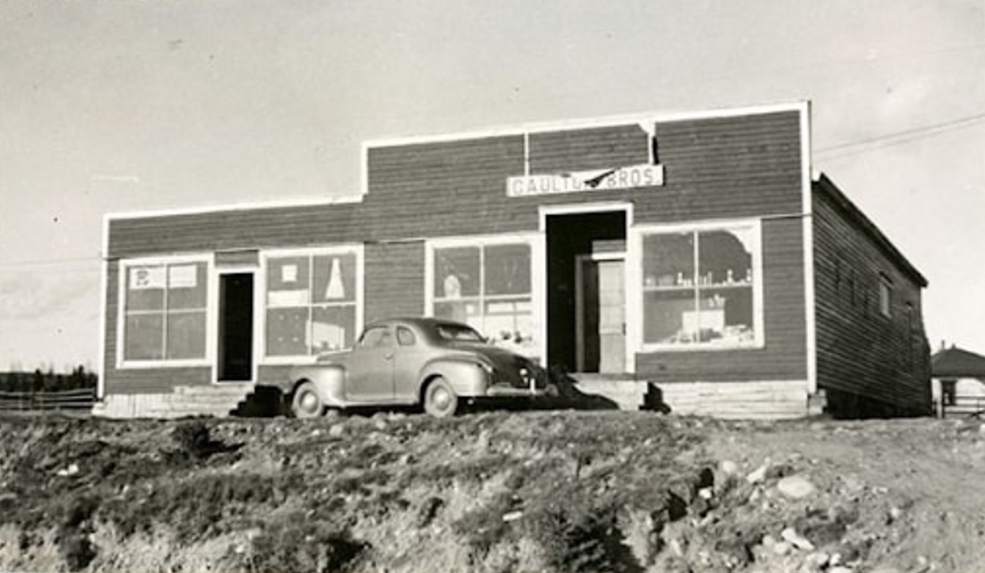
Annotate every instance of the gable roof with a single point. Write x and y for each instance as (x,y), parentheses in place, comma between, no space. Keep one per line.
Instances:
(955,362)
(824,185)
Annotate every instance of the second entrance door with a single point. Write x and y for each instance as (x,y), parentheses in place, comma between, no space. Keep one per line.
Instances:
(601,308)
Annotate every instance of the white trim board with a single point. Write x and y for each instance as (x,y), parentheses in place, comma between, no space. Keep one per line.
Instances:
(645,117)
(810,295)
(233,207)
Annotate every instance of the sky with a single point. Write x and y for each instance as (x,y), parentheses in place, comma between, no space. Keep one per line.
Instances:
(133,105)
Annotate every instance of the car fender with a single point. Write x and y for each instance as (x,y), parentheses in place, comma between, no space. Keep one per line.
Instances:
(329,381)
(466,377)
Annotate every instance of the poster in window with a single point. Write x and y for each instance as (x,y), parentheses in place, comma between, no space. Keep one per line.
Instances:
(289,273)
(183,276)
(146,278)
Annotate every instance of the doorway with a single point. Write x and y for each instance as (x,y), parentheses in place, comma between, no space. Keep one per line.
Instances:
(585,263)
(235,348)
(601,313)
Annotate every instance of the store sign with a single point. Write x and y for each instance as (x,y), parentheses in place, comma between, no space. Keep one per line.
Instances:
(599,180)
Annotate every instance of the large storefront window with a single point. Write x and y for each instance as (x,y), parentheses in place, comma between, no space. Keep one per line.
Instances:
(489,287)
(700,287)
(311,303)
(165,312)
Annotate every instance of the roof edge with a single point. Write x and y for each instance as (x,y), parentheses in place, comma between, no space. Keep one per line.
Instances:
(823,183)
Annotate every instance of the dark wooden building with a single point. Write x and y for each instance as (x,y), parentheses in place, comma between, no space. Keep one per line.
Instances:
(689,257)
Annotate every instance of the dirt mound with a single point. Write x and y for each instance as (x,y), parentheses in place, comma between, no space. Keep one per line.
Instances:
(530,491)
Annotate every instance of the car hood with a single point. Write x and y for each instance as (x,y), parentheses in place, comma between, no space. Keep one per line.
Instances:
(501,358)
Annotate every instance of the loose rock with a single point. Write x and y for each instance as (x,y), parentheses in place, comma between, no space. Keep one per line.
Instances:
(796,487)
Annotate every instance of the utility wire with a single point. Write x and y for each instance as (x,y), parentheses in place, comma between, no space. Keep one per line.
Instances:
(904,136)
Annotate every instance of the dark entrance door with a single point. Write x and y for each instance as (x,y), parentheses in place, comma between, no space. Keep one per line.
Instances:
(235,327)
(594,236)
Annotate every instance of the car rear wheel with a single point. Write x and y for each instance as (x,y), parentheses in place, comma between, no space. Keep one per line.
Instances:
(306,402)
(440,399)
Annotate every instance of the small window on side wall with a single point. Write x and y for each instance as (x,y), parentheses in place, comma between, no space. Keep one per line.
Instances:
(885,296)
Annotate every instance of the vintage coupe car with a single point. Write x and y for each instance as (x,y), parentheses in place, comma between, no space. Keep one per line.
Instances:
(403,361)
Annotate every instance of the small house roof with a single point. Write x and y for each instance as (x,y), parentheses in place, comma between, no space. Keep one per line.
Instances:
(957,363)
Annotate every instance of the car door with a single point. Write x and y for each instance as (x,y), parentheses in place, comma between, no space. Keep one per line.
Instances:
(370,367)
(410,357)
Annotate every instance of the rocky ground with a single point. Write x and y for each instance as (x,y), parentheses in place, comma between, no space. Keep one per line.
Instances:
(494,491)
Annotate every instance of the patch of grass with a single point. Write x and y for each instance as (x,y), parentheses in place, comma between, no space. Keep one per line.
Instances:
(197,508)
(299,545)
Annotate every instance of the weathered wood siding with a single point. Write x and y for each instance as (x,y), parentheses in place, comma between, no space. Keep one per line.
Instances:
(234,230)
(394,280)
(859,350)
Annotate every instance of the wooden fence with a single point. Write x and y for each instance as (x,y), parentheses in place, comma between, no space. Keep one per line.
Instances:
(68,400)
(963,407)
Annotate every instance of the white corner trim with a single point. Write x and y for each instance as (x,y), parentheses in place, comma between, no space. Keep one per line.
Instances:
(810,295)
(103,307)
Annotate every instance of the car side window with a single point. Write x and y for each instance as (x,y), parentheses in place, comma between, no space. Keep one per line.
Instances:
(378,337)
(405,336)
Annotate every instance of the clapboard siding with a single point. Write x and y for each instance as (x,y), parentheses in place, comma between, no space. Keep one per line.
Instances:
(746,166)
(143,380)
(783,356)
(861,351)
(587,149)
(395,284)
(234,229)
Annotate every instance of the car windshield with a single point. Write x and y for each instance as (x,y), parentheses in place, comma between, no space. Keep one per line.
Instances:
(458,332)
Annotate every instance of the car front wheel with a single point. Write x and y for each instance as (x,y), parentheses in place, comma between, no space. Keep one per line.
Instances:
(440,399)
(306,402)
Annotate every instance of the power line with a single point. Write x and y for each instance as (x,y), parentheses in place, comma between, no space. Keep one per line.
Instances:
(906,135)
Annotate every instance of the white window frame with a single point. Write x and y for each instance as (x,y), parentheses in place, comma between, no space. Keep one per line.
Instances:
(634,259)
(121,315)
(341,249)
(537,273)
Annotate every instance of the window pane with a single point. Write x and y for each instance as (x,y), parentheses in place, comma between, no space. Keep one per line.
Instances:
(467,311)
(405,336)
(378,337)
(725,256)
(187,286)
(669,317)
(144,337)
(145,288)
(507,269)
(333,328)
(668,260)
(288,274)
(456,272)
(511,323)
(335,278)
(186,335)
(287,331)
(727,315)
